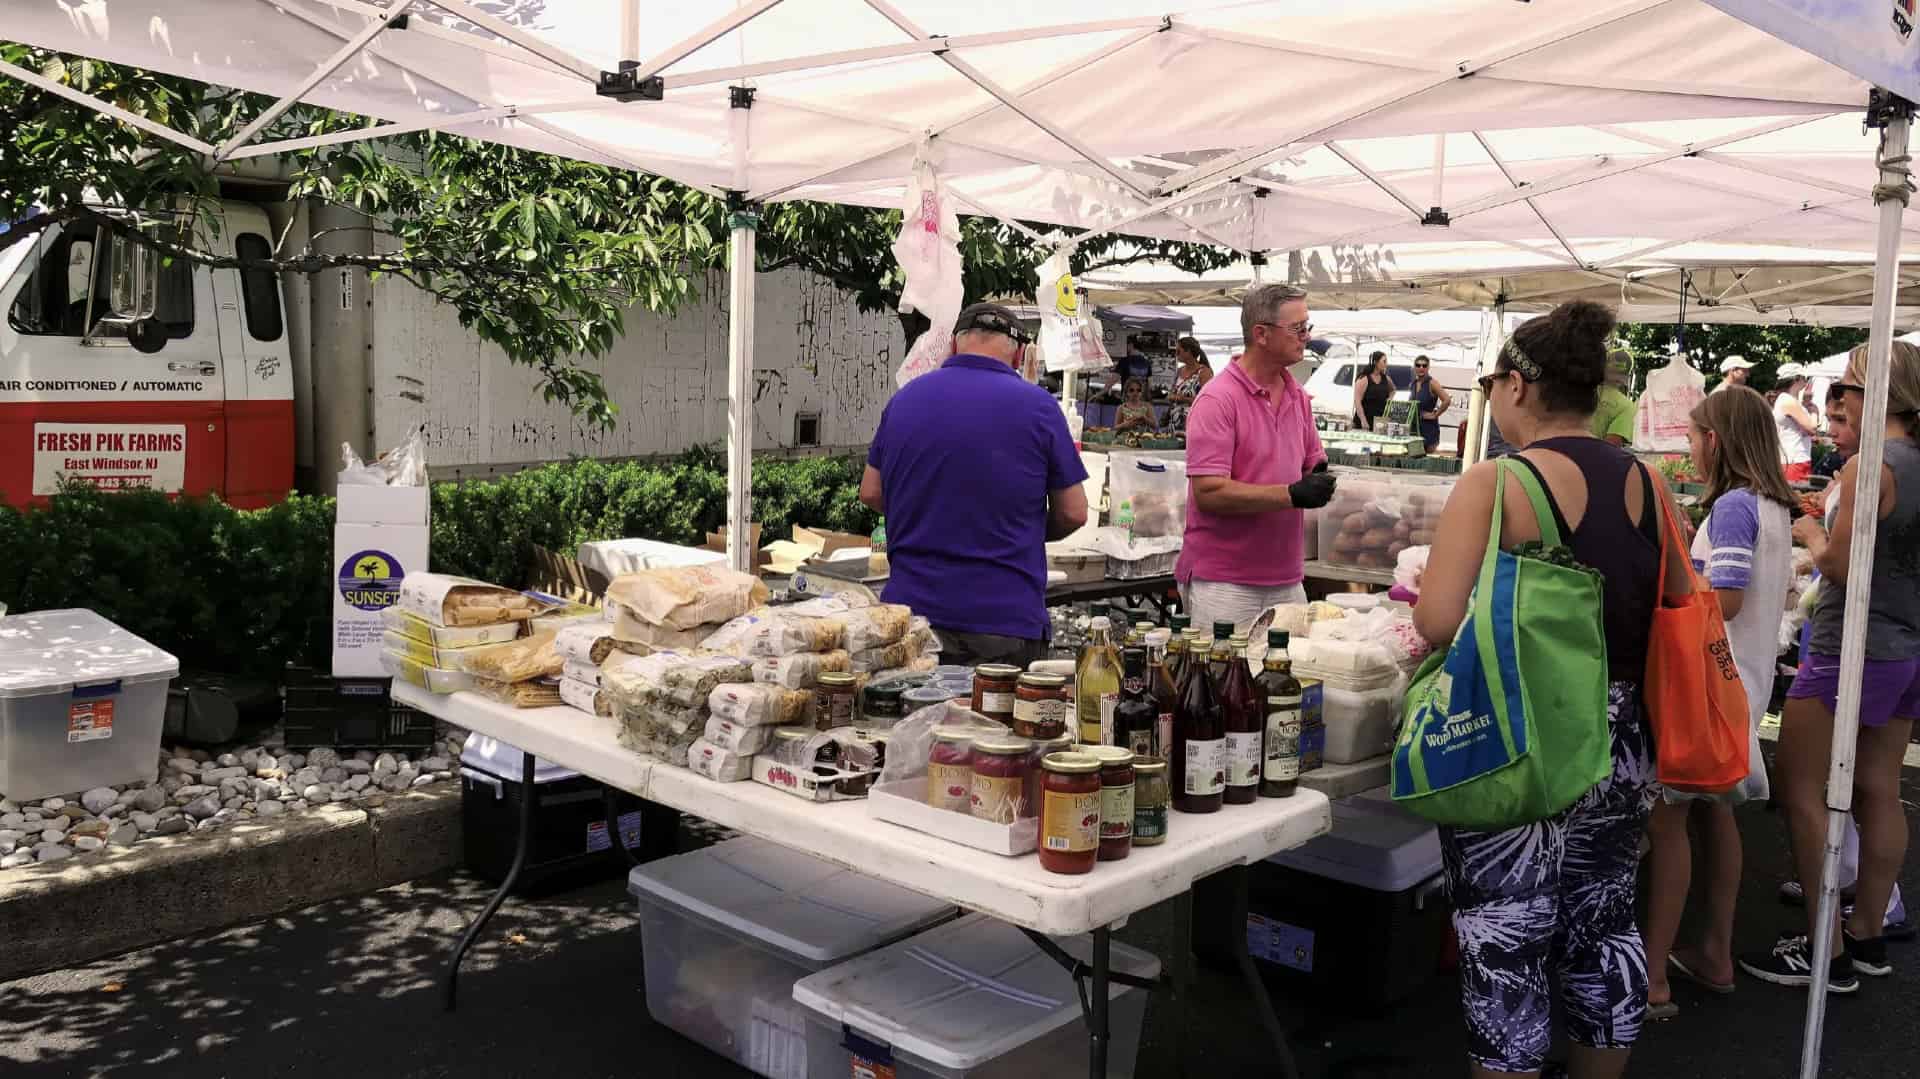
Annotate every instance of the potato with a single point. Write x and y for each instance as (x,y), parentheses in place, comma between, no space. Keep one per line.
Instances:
(1377,538)
(1353,524)
(1393,551)
(1402,530)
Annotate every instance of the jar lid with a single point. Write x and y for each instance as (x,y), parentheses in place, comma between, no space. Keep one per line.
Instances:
(793,734)
(1149,764)
(1043,681)
(1071,763)
(1059,743)
(1001,745)
(954,734)
(836,679)
(1109,756)
(999,672)
(929,695)
(890,689)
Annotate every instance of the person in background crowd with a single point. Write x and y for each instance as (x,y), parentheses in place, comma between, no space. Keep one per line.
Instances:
(1846,443)
(1372,389)
(1559,893)
(1192,376)
(975,471)
(1745,548)
(1613,419)
(1736,371)
(1889,696)
(1254,462)
(1136,412)
(1795,423)
(1432,400)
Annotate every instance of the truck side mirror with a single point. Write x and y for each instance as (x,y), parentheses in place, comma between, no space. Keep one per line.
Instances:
(133,277)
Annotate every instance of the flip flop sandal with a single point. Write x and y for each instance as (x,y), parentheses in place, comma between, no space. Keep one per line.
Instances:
(1681,968)
(1660,1013)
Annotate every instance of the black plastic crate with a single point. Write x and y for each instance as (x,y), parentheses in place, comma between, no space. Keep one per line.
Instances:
(1327,940)
(350,713)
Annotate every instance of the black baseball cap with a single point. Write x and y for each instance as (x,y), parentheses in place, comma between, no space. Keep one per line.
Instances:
(992,318)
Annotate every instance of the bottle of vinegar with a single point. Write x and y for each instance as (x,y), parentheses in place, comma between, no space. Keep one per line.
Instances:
(1136,719)
(1243,714)
(1280,696)
(1199,763)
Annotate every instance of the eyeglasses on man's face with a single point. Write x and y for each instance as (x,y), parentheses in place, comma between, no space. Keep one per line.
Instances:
(1298,329)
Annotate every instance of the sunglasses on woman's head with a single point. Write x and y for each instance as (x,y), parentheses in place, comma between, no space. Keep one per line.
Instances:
(1848,387)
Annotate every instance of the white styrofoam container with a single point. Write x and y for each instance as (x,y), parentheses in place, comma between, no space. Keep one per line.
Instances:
(728,931)
(1373,844)
(905,803)
(1361,713)
(497,760)
(972,999)
(82,703)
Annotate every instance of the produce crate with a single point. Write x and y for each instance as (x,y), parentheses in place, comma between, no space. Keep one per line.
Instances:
(350,713)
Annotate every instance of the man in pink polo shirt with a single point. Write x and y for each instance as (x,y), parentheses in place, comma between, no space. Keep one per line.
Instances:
(1254,462)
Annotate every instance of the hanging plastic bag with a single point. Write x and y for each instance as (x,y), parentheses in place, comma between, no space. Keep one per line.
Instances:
(1666,408)
(404,465)
(1068,340)
(928,251)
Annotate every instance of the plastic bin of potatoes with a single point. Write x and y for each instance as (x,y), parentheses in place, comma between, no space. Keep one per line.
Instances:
(1369,522)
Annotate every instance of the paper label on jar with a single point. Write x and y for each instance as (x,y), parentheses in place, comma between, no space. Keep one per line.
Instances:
(994,703)
(1140,741)
(1047,715)
(1282,739)
(1243,758)
(1149,822)
(1071,822)
(1206,767)
(998,798)
(950,787)
(1116,812)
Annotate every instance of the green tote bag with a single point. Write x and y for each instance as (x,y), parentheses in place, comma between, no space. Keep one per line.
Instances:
(1509,725)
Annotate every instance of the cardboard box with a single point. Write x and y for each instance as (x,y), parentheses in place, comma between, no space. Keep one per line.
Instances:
(369,563)
(905,803)
(357,505)
(717,541)
(820,783)
(411,625)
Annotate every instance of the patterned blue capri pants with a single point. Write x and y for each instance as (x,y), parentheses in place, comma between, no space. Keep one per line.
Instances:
(1557,899)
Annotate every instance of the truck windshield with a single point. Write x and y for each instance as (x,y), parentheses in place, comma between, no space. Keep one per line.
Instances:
(66,266)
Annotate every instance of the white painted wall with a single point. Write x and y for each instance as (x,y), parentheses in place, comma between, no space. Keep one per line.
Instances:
(815,352)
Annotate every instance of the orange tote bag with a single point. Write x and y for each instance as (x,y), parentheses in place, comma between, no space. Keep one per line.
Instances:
(1694,700)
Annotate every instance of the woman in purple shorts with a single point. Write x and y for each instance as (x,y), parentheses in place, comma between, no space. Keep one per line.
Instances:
(1890,697)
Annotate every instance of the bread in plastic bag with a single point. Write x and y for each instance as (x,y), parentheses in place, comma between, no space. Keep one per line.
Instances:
(586,698)
(802,670)
(587,642)
(718,763)
(737,737)
(514,661)
(404,465)
(877,626)
(687,597)
(756,704)
(447,600)
(540,693)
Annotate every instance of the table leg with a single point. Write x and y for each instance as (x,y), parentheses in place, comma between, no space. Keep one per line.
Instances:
(1097,1033)
(659,830)
(610,800)
(528,794)
(1256,985)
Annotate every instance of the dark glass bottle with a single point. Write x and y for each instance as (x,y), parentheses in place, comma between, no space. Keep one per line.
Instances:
(1217,658)
(1199,762)
(1280,737)
(1243,716)
(1163,683)
(1136,717)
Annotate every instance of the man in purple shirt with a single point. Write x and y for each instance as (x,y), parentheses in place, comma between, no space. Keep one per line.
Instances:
(975,471)
(1254,462)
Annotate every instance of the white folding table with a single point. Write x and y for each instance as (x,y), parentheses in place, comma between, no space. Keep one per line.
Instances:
(1015,890)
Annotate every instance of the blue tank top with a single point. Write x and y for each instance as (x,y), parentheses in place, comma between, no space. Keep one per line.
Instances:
(1626,554)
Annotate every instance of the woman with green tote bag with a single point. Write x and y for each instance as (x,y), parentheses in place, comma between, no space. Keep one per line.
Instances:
(1559,889)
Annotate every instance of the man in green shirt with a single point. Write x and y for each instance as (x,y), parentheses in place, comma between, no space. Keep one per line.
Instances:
(1613,420)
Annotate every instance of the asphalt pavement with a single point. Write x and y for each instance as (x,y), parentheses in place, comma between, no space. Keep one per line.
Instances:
(555,988)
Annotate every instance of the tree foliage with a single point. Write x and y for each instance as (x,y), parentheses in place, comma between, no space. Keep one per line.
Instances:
(1767,347)
(537,254)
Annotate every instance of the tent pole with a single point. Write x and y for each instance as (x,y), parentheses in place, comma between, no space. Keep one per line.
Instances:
(1478,427)
(394,15)
(630,30)
(1890,198)
(742,221)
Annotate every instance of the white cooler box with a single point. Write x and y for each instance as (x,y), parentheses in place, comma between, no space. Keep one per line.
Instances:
(728,930)
(1361,712)
(82,702)
(972,999)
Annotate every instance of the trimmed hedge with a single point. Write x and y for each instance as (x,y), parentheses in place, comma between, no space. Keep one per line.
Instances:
(242,591)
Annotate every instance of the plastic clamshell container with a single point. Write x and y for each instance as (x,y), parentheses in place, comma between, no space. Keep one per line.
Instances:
(82,704)
(972,999)
(731,928)
(1374,516)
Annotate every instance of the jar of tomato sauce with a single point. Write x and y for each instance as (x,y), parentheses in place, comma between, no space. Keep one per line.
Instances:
(993,689)
(1116,801)
(1000,772)
(1040,705)
(950,770)
(1036,769)
(1070,813)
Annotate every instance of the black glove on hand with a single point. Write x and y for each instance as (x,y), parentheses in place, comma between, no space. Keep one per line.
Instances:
(1311,492)
(1320,465)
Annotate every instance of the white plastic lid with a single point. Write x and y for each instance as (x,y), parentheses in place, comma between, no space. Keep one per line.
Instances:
(502,761)
(961,994)
(1354,601)
(55,651)
(809,908)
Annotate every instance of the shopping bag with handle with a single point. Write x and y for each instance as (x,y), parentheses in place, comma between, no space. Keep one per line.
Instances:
(1695,703)
(1509,725)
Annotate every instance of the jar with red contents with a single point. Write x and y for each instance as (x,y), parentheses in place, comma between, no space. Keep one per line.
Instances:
(994,685)
(1116,800)
(1070,813)
(1036,770)
(950,770)
(1000,773)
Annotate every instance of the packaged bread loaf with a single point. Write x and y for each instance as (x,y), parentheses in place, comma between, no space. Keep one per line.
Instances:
(515,661)
(540,693)
(585,642)
(445,600)
(586,698)
(756,704)
(872,627)
(632,634)
(719,763)
(686,597)
(801,670)
(738,737)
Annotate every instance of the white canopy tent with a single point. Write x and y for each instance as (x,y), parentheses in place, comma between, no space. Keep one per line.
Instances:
(1260,126)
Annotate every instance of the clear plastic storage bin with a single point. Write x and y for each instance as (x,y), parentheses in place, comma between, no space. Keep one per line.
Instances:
(973,999)
(82,703)
(1374,516)
(728,930)
(1361,713)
